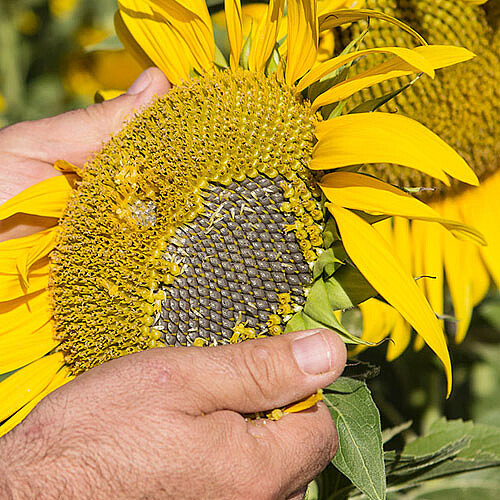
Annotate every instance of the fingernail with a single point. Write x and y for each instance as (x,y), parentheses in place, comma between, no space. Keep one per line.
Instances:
(313,352)
(142,82)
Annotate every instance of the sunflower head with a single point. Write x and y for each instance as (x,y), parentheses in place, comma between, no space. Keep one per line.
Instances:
(463,103)
(197,219)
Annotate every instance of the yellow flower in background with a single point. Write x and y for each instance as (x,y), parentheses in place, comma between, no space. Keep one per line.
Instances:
(62,8)
(462,106)
(27,21)
(3,104)
(87,73)
(209,218)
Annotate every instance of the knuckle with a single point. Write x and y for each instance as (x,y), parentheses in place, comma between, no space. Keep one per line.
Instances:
(261,369)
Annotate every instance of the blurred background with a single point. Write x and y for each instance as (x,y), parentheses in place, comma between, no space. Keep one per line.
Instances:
(53,56)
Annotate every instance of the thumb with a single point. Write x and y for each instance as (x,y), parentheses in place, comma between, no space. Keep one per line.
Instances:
(256,375)
(74,136)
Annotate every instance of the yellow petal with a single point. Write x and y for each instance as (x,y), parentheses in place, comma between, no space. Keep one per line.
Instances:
(11,285)
(130,44)
(400,336)
(305,404)
(62,377)
(234,26)
(302,38)
(482,209)
(41,248)
(47,198)
(67,168)
(107,95)
(25,314)
(377,322)
(436,56)
(17,349)
(362,192)
(375,260)
(410,56)
(24,385)
(30,248)
(191,19)
(402,242)
(264,38)
(330,20)
(433,266)
(457,258)
(159,41)
(481,278)
(442,56)
(386,138)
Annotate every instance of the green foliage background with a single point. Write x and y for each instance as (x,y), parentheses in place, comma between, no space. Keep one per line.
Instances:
(36,42)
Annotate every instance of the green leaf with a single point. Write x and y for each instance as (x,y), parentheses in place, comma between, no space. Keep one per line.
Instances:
(374,104)
(388,434)
(219,58)
(348,287)
(326,264)
(450,448)
(360,454)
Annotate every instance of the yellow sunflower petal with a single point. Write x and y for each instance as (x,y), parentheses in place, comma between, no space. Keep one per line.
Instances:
(130,44)
(410,56)
(433,266)
(25,314)
(107,95)
(362,192)
(402,242)
(386,138)
(191,19)
(482,210)
(41,248)
(62,377)
(436,56)
(330,20)
(47,198)
(20,348)
(148,31)
(264,38)
(400,336)
(12,287)
(457,258)
(234,24)
(24,385)
(481,278)
(66,167)
(302,38)
(386,275)
(377,322)
(27,249)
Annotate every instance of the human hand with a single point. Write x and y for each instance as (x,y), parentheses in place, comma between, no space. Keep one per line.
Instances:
(167,423)
(28,150)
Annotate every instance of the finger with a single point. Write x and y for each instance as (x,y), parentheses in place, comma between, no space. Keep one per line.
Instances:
(253,376)
(297,447)
(299,495)
(75,135)
(282,456)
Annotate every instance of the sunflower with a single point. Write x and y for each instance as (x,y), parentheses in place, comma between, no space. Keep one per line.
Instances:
(209,219)
(462,106)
